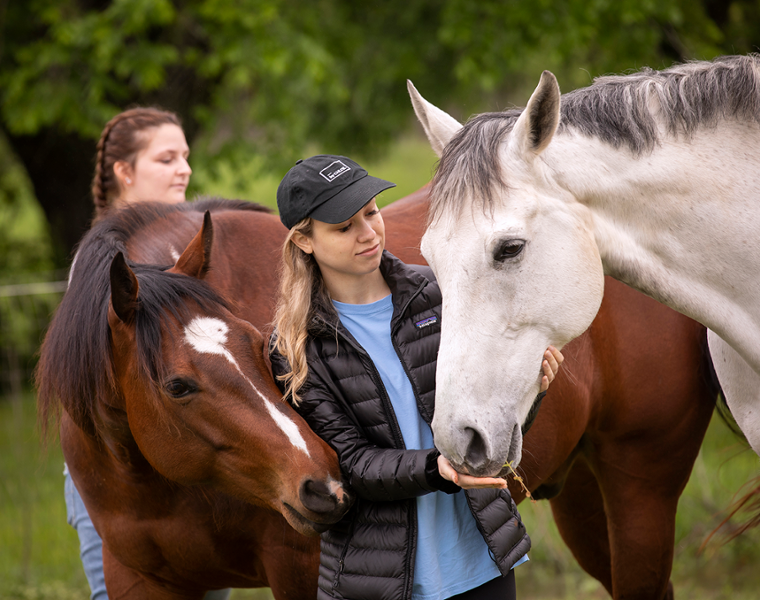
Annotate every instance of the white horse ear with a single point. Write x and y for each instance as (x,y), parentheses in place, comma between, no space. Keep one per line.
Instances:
(439,126)
(536,126)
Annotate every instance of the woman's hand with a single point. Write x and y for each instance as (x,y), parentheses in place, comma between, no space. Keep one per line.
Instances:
(467,481)
(552,360)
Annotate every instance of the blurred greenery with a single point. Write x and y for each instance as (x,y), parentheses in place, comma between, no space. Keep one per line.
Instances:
(39,553)
(257,81)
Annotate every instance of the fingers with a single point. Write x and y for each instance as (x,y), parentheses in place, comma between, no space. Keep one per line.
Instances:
(467,481)
(470,482)
(552,360)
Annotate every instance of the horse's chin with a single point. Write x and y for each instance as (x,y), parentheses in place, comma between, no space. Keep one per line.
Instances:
(301,524)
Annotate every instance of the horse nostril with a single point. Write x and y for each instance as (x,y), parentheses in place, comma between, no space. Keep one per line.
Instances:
(476,454)
(317,497)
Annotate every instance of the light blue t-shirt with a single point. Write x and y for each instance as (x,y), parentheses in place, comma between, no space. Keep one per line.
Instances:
(452,556)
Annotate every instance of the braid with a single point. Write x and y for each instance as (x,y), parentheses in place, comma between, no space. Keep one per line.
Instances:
(99,197)
(120,141)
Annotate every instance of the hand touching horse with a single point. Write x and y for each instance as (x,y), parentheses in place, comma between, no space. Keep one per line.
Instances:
(652,178)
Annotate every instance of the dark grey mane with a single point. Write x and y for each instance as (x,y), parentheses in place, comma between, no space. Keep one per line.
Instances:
(618,109)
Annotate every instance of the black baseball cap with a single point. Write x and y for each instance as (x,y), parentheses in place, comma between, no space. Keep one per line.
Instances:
(327,188)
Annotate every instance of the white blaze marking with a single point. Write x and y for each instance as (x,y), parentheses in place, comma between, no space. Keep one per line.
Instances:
(173,251)
(208,336)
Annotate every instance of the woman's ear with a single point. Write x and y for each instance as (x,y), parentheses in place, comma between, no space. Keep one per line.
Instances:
(123,171)
(303,242)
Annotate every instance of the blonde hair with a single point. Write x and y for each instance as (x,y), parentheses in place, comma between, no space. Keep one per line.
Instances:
(300,282)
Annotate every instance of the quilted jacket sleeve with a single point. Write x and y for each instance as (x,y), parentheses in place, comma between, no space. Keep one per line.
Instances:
(374,473)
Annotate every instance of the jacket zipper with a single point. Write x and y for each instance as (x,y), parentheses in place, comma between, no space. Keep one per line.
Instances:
(412,505)
(412,510)
(394,331)
(341,560)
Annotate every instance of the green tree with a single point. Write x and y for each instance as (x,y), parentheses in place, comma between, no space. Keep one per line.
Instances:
(267,77)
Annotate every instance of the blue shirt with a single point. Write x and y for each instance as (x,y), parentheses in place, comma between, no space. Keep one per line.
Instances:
(452,556)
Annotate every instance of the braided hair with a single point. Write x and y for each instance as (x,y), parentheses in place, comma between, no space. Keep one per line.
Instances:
(120,140)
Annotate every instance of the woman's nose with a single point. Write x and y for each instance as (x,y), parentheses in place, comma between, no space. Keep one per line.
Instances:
(184,167)
(366,232)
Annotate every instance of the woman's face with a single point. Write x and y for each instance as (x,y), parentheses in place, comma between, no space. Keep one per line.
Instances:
(161,171)
(352,248)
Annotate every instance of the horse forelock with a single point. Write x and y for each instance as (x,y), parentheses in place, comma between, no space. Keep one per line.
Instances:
(163,294)
(470,165)
(76,369)
(628,110)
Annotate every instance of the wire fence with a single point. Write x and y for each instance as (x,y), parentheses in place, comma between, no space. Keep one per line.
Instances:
(25,312)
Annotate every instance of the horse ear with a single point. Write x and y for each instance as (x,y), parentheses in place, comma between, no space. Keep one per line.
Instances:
(536,126)
(439,126)
(195,259)
(124,288)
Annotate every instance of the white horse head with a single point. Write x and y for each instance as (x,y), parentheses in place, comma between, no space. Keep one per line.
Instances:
(650,177)
(518,267)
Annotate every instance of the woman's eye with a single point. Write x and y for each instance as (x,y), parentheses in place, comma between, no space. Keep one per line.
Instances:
(177,388)
(346,228)
(508,249)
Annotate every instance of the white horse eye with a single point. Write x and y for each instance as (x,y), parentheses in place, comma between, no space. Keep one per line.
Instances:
(507,249)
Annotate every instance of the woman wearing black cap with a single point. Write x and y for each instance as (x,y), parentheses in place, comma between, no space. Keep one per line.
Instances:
(354,350)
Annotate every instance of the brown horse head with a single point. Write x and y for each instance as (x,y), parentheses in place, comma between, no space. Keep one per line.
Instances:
(188,394)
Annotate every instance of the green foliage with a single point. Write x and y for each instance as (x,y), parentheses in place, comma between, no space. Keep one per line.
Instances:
(257,81)
(24,236)
(278,74)
(25,257)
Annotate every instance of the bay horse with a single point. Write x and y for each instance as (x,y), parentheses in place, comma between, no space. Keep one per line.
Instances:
(611,456)
(195,473)
(652,178)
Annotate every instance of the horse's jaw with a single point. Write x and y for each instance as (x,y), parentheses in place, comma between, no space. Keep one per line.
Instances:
(478,418)
(514,281)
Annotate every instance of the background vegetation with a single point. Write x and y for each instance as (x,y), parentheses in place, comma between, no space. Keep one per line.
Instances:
(258,84)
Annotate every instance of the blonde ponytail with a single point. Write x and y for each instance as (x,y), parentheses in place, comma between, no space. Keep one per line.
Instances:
(300,282)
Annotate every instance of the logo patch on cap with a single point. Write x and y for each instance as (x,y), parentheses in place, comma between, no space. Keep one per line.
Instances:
(426,322)
(334,170)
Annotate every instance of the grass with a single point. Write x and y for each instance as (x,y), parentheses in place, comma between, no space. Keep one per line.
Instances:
(39,555)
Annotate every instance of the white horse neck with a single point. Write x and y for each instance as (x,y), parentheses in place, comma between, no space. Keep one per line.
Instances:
(679,223)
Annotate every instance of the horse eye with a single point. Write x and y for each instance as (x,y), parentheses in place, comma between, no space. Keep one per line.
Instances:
(177,388)
(508,249)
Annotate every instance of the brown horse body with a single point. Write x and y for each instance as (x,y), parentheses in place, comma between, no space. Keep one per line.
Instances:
(611,456)
(195,473)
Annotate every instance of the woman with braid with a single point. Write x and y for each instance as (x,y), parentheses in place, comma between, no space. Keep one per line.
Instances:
(141,156)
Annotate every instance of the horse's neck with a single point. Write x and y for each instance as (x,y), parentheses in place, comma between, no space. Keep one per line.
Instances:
(679,223)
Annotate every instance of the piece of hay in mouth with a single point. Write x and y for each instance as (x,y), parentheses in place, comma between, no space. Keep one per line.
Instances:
(519,480)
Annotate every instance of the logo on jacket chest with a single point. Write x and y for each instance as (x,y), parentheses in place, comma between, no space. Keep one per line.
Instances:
(426,322)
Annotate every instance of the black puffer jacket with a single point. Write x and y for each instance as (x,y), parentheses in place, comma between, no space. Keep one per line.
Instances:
(370,553)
